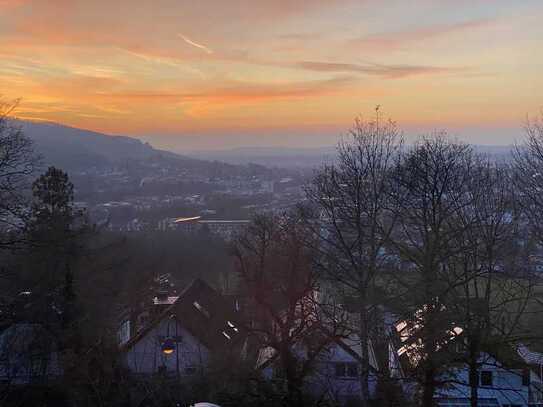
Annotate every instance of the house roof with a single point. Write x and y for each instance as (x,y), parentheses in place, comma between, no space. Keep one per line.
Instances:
(204,313)
(506,353)
(529,356)
(268,355)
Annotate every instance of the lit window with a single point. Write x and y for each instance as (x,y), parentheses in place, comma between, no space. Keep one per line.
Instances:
(457,330)
(400,327)
(232,326)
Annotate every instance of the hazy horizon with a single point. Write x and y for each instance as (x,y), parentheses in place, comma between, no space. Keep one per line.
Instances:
(266,140)
(316,140)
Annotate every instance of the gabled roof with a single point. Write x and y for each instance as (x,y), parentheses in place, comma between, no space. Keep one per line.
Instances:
(268,355)
(204,313)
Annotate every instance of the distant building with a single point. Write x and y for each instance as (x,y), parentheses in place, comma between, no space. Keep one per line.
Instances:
(225,228)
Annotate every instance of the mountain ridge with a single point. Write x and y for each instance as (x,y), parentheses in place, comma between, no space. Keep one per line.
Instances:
(77,149)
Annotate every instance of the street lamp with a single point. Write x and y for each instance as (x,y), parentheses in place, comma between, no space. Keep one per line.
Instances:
(171,344)
(168,346)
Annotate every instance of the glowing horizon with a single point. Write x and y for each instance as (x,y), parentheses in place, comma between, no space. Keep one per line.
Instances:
(172,69)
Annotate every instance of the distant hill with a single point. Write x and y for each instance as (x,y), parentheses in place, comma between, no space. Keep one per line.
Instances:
(77,149)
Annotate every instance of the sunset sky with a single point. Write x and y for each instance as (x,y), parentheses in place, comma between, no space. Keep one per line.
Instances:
(273,72)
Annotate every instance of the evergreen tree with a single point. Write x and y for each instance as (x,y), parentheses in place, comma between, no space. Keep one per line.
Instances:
(54,233)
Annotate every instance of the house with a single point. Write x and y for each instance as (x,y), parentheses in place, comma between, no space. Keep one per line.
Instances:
(335,375)
(28,355)
(506,376)
(197,327)
(500,384)
(30,351)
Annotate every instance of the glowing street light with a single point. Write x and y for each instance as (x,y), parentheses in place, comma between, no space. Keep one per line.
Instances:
(168,346)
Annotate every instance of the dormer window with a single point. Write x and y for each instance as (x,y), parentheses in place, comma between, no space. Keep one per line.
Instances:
(231,325)
(123,333)
(201,308)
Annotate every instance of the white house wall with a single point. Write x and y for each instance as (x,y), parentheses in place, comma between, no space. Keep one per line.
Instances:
(324,381)
(146,356)
(506,388)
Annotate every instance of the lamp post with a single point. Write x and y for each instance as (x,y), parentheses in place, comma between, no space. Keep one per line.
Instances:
(171,345)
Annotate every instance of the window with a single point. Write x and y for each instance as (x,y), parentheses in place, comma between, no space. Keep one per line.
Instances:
(123,333)
(340,370)
(201,308)
(486,378)
(231,325)
(352,370)
(346,370)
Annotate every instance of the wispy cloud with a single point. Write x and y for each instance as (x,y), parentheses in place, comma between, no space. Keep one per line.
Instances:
(243,92)
(195,44)
(385,71)
(398,39)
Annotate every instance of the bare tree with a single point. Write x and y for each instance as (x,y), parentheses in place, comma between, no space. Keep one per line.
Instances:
(350,198)
(431,190)
(275,270)
(528,160)
(17,163)
(490,287)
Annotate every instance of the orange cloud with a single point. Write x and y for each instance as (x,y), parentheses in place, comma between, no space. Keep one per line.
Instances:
(235,93)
